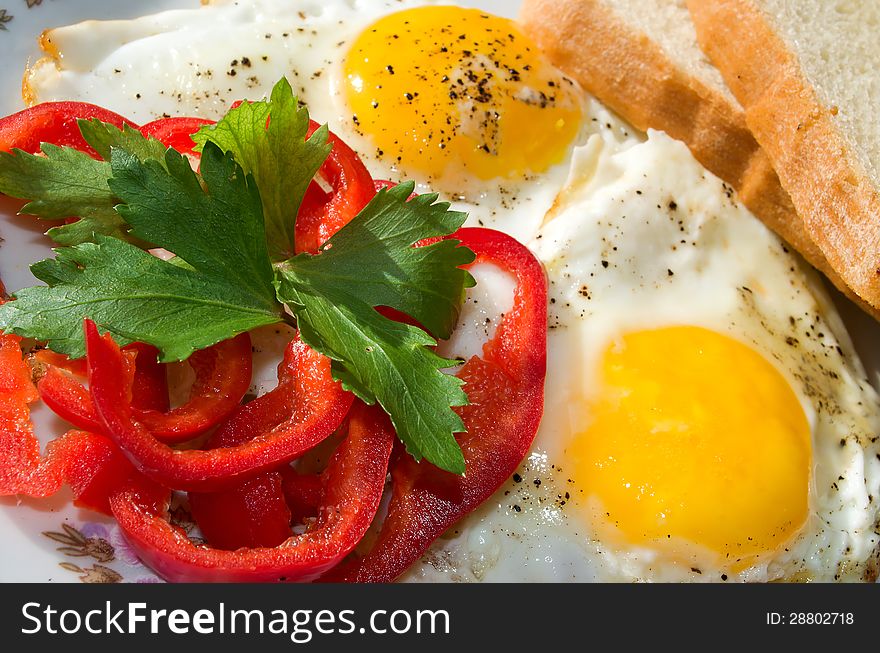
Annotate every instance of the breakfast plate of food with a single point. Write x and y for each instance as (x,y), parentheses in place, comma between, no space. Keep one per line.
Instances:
(374,290)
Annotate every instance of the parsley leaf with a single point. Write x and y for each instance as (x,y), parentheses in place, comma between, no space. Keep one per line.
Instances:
(372,262)
(226,287)
(104,137)
(219,232)
(63,183)
(68,183)
(277,154)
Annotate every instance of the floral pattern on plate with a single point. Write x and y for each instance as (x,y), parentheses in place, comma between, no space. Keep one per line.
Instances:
(103,552)
(6,17)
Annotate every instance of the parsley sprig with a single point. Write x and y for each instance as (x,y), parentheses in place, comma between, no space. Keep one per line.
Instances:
(230,227)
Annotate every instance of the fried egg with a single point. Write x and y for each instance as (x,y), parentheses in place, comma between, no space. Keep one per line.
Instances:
(455,99)
(706,418)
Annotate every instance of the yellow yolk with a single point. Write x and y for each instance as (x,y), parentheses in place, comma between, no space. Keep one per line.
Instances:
(445,90)
(695,443)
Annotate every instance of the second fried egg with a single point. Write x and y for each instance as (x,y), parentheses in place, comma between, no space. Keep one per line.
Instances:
(705,416)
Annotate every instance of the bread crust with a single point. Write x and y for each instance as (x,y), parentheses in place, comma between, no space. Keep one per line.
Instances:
(632,75)
(828,185)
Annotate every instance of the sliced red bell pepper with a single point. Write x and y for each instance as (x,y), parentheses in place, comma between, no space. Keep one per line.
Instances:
(354,481)
(322,213)
(76,366)
(175,132)
(68,398)
(382,184)
(258,511)
(302,493)
(321,407)
(149,390)
(506,392)
(55,123)
(252,514)
(223,375)
(91,464)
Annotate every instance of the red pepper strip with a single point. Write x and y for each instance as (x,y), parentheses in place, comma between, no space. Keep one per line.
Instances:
(322,400)
(323,214)
(302,492)
(253,513)
(354,481)
(223,374)
(53,122)
(149,390)
(91,464)
(506,393)
(382,184)
(259,511)
(76,366)
(69,399)
(175,132)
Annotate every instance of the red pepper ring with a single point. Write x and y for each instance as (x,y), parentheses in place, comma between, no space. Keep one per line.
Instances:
(506,391)
(323,407)
(223,374)
(322,214)
(55,123)
(175,132)
(355,478)
(255,512)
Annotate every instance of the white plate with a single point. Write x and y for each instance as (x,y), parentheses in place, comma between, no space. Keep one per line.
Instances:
(49,540)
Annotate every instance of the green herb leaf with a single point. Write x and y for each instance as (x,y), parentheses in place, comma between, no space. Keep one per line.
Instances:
(64,183)
(104,137)
(226,286)
(218,231)
(68,183)
(134,295)
(372,262)
(279,157)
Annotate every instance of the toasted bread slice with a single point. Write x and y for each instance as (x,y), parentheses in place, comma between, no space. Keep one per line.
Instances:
(807,74)
(642,59)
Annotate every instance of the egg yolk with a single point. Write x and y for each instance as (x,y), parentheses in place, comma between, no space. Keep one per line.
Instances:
(694,439)
(456,93)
